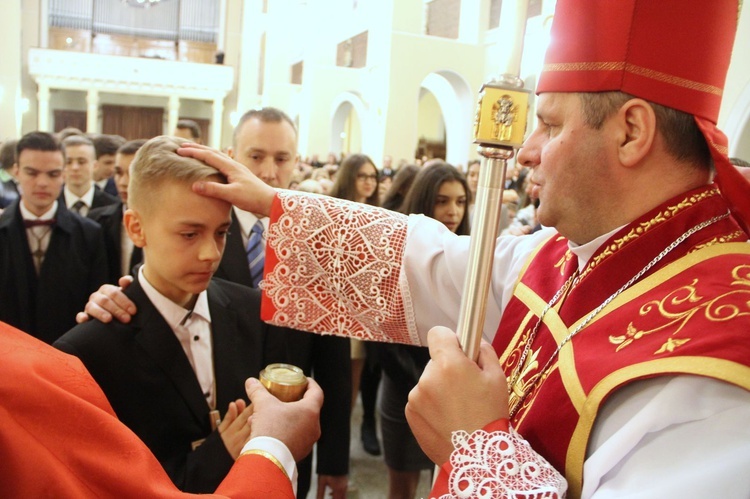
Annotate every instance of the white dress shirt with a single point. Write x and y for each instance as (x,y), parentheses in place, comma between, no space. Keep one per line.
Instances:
(38,237)
(87,199)
(193,329)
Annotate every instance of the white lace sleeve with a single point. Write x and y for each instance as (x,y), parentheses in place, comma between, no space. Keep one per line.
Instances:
(334,268)
(500,465)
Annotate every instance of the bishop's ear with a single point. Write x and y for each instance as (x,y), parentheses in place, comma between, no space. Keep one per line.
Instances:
(134,226)
(636,128)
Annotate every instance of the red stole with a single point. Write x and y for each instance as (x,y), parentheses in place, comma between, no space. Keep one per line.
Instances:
(688,314)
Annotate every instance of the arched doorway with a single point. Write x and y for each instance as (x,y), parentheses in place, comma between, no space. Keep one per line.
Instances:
(455,101)
(347,135)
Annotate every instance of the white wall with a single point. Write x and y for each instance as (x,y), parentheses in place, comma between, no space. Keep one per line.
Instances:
(734,118)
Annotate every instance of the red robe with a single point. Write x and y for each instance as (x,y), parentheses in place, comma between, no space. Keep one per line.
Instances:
(687,315)
(334,267)
(60,438)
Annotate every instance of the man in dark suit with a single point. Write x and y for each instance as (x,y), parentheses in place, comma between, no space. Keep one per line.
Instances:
(105,147)
(122,255)
(265,141)
(179,367)
(80,194)
(152,387)
(51,260)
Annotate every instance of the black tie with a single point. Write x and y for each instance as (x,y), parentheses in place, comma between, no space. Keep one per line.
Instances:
(77,206)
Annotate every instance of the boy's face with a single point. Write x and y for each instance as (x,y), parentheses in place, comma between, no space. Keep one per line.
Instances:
(104,167)
(122,174)
(80,165)
(183,236)
(40,176)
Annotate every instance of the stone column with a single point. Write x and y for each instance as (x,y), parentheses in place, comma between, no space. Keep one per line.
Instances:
(216,119)
(92,111)
(10,76)
(42,96)
(173,114)
(508,49)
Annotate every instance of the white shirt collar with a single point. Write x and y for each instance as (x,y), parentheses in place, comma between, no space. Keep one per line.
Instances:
(87,198)
(47,215)
(173,313)
(584,252)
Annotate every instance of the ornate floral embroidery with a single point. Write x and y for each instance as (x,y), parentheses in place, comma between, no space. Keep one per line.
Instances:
(737,235)
(500,465)
(643,227)
(682,304)
(338,270)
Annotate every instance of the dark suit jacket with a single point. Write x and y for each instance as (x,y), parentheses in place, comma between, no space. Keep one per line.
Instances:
(110,218)
(110,188)
(74,266)
(327,358)
(147,377)
(101,198)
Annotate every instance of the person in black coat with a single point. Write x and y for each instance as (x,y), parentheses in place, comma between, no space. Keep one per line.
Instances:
(80,193)
(175,374)
(122,254)
(51,260)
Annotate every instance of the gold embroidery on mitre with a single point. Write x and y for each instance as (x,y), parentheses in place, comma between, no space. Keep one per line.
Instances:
(721,148)
(681,305)
(643,227)
(636,70)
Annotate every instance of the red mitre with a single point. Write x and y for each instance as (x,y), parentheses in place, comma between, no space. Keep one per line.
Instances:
(670,52)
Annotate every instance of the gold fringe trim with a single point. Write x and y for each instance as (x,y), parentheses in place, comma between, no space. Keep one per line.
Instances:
(636,70)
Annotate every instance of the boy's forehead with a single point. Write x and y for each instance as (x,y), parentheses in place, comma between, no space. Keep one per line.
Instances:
(80,150)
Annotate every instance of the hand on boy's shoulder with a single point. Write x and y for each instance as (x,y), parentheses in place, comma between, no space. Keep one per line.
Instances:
(109,301)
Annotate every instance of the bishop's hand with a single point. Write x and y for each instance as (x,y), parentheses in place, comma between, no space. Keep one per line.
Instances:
(455,393)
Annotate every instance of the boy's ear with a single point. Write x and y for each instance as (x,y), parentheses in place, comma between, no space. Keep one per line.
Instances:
(134,226)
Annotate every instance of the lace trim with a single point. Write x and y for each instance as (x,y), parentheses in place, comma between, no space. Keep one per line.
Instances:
(339,269)
(500,465)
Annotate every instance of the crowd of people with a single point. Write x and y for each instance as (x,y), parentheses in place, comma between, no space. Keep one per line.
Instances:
(615,360)
(87,182)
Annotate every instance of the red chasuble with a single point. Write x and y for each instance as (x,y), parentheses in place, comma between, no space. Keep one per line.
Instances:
(688,314)
(60,437)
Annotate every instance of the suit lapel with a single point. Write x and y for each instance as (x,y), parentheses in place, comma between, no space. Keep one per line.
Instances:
(115,225)
(161,344)
(234,262)
(238,354)
(18,248)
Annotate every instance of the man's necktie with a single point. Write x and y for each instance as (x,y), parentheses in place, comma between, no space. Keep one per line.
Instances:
(255,253)
(77,206)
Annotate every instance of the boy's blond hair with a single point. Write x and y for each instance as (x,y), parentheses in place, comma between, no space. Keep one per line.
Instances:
(157,162)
